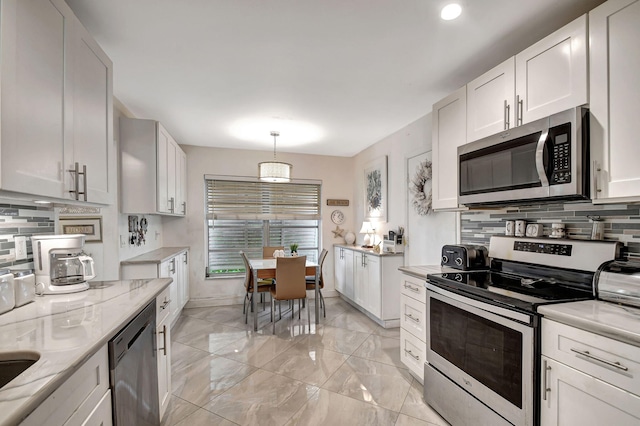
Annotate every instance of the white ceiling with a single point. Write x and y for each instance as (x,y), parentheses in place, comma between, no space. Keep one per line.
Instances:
(333,76)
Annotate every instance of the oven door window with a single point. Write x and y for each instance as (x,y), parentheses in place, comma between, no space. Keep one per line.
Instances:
(507,166)
(487,351)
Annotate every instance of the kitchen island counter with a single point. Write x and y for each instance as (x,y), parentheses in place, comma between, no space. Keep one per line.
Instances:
(65,330)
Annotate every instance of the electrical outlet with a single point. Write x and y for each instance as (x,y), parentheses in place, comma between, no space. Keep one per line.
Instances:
(21,247)
(123,241)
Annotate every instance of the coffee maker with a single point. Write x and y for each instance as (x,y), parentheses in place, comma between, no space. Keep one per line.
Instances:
(60,264)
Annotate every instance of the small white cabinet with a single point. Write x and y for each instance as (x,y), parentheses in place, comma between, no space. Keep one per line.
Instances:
(614,32)
(449,124)
(413,323)
(587,379)
(369,281)
(56,105)
(153,167)
(547,77)
(163,346)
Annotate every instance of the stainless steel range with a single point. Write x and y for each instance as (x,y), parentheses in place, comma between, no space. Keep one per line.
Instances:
(483,338)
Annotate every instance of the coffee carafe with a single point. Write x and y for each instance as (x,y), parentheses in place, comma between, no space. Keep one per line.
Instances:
(60,264)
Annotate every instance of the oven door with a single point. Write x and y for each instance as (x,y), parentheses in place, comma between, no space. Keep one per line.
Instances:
(489,355)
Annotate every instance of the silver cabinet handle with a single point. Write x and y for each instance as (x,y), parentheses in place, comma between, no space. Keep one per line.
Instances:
(76,183)
(519,109)
(84,180)
(173,266)
(172,202)
(185,260)
(165,304)
(614,364)
(184,207)
(164,340)
(596,174)
(412,318)
(408,352)
(412,288)
(545,386)
(507,108)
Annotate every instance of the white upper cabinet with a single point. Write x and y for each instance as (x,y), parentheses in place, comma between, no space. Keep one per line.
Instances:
(153,167)
(449,124)
(546,78)
(490,102)
(614,32)
(56,105)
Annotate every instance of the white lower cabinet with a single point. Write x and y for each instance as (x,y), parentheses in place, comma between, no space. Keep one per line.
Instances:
(163,346)
(83,399)
(413,324)
(587,379)
(370,281)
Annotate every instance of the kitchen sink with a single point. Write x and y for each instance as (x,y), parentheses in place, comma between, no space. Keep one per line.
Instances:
(12,364)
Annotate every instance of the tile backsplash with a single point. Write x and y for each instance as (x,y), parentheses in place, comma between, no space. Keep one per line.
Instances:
(22,220)
(621,222)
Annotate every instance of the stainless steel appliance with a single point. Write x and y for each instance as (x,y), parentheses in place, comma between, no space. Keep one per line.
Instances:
(134,373)
(543,160)
(60,264)
(483,327)
(465,256)
(619,282)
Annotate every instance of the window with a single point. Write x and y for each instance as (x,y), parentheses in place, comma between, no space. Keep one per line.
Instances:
(249,214)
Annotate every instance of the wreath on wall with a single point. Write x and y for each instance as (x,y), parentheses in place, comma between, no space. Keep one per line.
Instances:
(420,188)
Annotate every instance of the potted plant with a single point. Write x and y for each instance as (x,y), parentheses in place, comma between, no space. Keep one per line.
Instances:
(294,249)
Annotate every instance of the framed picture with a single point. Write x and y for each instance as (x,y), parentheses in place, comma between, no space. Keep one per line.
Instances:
(89,226)
(375,189)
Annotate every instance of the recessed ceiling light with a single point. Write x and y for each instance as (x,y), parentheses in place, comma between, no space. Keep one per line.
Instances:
(451,11)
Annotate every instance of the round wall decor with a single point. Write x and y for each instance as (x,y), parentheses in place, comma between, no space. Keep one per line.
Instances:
(337,217)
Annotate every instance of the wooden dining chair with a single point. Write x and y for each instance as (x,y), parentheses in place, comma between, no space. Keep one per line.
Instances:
(290,285)
(311,282)
(263,287)
(267,252)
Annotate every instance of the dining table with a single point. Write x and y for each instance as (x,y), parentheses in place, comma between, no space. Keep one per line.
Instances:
(266,268)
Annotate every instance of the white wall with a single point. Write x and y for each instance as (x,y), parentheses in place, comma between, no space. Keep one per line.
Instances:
(336,174)
(427,234)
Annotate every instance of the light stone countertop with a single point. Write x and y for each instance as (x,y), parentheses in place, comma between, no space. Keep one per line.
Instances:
(367,250)
(155,256)
(65,330)
(421,271)
(605,318)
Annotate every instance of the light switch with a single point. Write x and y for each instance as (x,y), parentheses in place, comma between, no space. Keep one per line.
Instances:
(21,247)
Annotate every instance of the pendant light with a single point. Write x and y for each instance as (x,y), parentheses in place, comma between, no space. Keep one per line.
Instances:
(274,171)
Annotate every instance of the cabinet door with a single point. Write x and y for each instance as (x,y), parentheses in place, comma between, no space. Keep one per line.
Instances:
(181,182)
(574,398)
(551,75)
(490,99)
(172,180)
(359,279)
(449,123)
(373,299)
(163,343)
(349,274)
(339,268)
(614,31)
(92,144)
(34,40)
(168,269)
(162,184)
(184,278)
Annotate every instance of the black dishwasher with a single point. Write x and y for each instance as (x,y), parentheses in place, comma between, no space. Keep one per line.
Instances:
(133,366)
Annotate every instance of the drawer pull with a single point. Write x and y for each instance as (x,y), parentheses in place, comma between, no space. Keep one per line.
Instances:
(408,351)
(164,339)
(586,354)
(165,304)
(545,386)
(412,288)
(411,317)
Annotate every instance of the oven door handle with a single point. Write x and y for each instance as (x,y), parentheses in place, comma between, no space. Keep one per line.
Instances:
(542,173)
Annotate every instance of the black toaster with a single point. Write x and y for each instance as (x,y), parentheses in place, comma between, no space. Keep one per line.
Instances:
(465,256)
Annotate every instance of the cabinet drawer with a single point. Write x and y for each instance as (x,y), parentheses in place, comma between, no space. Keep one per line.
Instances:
(412,353)
(163,305)
(414,288)
(413,317)
(609,360)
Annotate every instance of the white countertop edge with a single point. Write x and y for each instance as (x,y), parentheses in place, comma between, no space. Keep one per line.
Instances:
(25,393)
(607,319)
(155,256)
(368,250)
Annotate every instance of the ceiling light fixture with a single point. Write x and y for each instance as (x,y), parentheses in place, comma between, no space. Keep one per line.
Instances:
(451,11)
(274,171)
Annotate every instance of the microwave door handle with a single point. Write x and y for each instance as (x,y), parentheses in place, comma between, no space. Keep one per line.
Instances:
(542,173)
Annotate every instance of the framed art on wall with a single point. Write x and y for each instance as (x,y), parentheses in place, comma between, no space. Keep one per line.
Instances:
(89,226)
(375,189)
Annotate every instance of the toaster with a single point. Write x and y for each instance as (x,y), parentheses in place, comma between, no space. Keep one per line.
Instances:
(465,256)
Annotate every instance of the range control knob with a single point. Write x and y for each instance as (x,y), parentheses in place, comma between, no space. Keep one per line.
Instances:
(445,259)
(458,277)
(458,261)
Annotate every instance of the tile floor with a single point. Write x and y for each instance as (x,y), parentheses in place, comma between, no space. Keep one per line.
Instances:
(347,370)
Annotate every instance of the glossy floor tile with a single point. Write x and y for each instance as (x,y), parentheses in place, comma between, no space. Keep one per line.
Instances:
(345,370)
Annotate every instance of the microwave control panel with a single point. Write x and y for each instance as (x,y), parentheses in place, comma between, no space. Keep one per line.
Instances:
(560,137)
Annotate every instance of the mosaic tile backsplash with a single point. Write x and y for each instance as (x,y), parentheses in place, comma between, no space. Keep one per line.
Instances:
(16,220)
(621,222)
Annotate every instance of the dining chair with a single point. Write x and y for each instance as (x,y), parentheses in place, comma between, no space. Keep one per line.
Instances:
(290,285)
(311,282)
(267,252)
(263,287)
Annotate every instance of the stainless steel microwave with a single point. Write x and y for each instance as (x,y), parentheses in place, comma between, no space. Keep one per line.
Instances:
(545,160)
